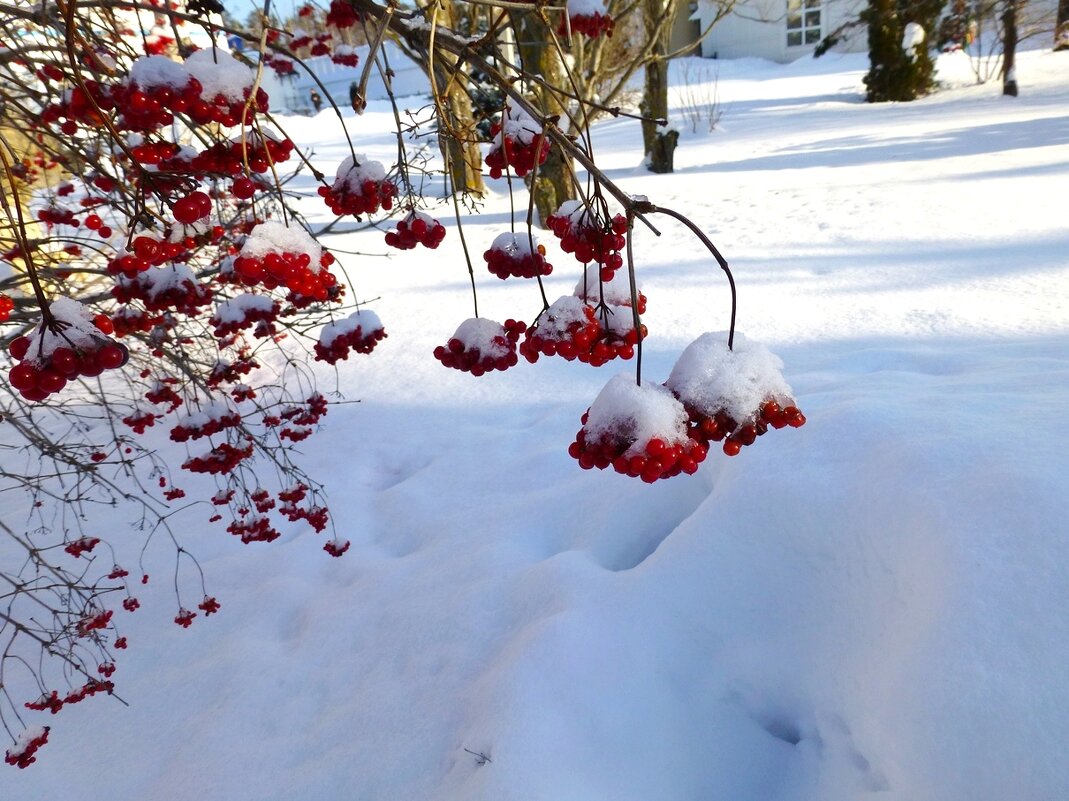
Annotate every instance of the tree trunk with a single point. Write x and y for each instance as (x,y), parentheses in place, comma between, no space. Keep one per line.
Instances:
(553,184)
(1061,27)
(461,147)
(457,138)
(658,142)
(1009,48)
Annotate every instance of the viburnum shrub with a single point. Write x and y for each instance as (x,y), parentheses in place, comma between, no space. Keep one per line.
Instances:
(162,301)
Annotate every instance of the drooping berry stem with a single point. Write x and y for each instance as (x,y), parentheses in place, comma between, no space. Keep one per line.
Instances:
(712,249)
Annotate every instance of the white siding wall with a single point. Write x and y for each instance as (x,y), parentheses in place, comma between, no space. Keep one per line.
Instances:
(758,28)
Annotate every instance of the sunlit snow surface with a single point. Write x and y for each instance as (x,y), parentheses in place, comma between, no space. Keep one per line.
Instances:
(873,606)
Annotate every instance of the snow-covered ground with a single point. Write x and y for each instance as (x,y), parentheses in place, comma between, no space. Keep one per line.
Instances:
(875,605)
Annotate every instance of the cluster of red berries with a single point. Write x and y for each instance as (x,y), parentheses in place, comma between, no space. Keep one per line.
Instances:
(335,341)
(37,378)
(209,606)
(228,158)
(184,618)
(229,372)
(94,622)
(170,288)
(262,500)
(568,328)
(152,107)
(213,425)
(280,64)
(220,459)
(229,317)
(226,112)
(291,270)
(590,25)
(314,409)
(79,106)
(581,233)
(514,153)
(316,516)
(140,420)
(342,15)
(511,256)
(128,320)
(651,461)
(254,529)
(58,215)
(22,754)
(7,305)
(336,547)
(163,394)
(416,228)
(364,198)
(81,545)
(493,346)
(94,223)
(53,703)
(131,604)
(194,206)
(345,56)
(720,426)
(147,252)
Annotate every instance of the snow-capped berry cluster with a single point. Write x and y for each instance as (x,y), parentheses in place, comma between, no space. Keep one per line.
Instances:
(360,331)
(336,546)
(480,346)
(75,345)
(254,528)
(518,143)
(81,545)
(279,255)
(242,312)
(209,420)
(641,431)
(220,459)
(210,86)
(588,18)
(589,238)
(23,752)
(174,287)
(568,328)
(417,228)
(511,255)
(360,187)
(733,395)
(344,54)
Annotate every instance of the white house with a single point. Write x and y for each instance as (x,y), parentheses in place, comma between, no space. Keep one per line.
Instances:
(779,30)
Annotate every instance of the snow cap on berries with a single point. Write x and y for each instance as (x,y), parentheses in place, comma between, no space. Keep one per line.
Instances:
(80,331)
(150,72)
(486,336)
(640,413)
(617,290)
(353,174)
(560,315)
(366,320)
(711,378)
(516,245)
(220,73)
(272,236)
(237,309)
(519,126)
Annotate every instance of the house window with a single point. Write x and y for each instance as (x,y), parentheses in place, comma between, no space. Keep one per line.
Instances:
(803,22)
